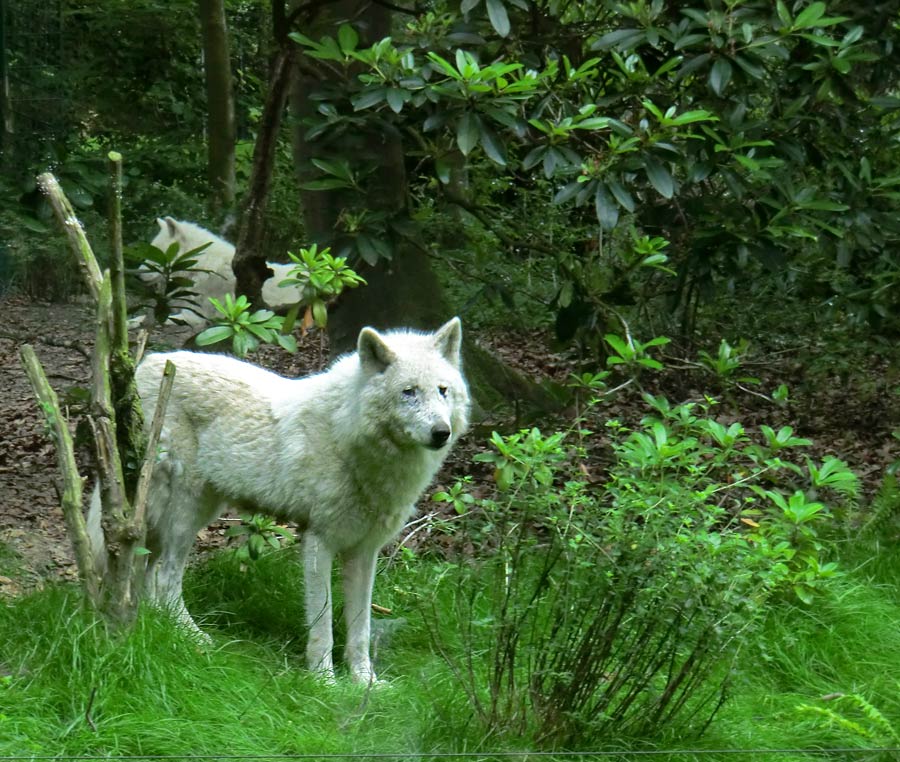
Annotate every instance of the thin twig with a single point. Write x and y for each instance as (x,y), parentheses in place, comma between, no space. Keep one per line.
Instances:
(87,711)
(143,485)
(142,337)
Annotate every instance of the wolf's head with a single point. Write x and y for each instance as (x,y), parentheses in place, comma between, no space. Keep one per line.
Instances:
(415,392)
(187,235)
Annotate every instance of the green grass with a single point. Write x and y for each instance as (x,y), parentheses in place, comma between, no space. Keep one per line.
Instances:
(68,686)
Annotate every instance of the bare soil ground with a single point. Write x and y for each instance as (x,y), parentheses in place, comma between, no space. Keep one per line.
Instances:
(34,547)
(33,542)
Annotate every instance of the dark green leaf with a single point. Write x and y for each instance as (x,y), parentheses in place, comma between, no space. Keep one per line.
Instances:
(533,157)
(442,169)
(607,210)
(625,199)
(697,16)
(31,224)
(750,67)
(784,15)
(623,38)
(492,145)
(367,250)
(692,64)
(498,17)
(690,39)
(886,102)
(566,193)
(720,75)
(467,133)
(659,177)
(326,183)
(368,99)
(809,16)
(434,121)
(396,98)
(551,159)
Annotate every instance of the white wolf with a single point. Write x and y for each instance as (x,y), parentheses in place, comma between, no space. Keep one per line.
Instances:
(216,258)
(345,453)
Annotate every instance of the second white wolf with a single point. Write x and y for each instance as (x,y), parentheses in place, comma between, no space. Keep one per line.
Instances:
(345,453)
(213,275)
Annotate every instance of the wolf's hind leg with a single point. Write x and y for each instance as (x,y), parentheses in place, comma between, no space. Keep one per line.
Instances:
(317,560)
(170,539)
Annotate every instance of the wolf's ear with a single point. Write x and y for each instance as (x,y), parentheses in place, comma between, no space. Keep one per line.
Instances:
(168,223)
(448,340)
(374,354)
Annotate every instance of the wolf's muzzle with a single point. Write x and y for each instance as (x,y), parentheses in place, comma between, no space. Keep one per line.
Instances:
(439,437)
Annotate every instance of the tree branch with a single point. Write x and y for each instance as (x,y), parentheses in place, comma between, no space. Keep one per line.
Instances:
(70,224)
(117,262)
(73,484)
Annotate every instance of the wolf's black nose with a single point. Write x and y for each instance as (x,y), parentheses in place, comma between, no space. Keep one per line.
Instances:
(439,437)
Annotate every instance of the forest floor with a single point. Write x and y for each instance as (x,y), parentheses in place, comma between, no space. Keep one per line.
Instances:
(852,423)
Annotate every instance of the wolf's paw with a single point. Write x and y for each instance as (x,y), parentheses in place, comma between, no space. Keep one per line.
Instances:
(365,675)
(325,676)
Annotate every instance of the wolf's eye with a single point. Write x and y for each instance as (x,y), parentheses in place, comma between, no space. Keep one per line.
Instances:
(442,390)
(410,392)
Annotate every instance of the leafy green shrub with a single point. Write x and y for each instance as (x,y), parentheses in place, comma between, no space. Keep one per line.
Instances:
(321,278)
(617,604)
(162,279)
(246,329)
(261,533)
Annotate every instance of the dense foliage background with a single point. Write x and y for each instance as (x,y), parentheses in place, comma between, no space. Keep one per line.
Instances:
(694,206)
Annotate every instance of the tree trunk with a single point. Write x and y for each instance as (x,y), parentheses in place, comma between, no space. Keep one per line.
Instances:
(403,291)
(219,105)
(6,115)
(249,264)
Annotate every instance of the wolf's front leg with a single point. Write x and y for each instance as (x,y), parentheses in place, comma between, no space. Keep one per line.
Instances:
(317,573)
(359,576)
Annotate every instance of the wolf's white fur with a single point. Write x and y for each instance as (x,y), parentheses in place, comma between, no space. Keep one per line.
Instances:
(345,453)
(216,258)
